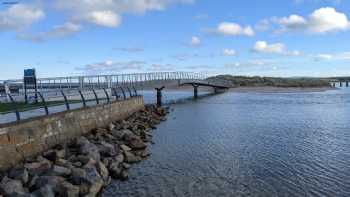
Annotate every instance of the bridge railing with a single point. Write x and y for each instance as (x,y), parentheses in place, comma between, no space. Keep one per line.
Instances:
(101,81)
(81,91)
(45,103)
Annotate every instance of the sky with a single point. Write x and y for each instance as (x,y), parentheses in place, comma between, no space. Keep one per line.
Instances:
(282,38)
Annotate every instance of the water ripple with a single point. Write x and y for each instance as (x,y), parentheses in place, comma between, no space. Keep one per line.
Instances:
(249,144)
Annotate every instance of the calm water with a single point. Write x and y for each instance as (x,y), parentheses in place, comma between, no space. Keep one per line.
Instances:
(249,144)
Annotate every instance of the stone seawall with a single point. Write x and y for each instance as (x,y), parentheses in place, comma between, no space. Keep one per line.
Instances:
(33,136)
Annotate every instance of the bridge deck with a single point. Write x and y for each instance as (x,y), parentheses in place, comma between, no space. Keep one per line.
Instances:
(206,84)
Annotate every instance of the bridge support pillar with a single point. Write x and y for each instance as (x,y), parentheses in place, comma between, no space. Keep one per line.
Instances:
(216,90)
(347,84)
(7,91)
(341,84)
(81,82)
(195,91)
(159,95)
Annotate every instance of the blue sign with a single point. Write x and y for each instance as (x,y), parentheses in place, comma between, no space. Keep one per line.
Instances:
(29,73)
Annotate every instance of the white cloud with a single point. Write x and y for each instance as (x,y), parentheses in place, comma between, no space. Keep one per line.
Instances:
(320,57)
(263,25)
(59,31)
(327,19)
(162,67)
(195,41)
(250,63)
(105,18)
(264,47)
(108,12)
(130,50)
(293,22)
(322,20)
(111,66)
(344,56)
(229,52)
(20,16)
(274,48)
(334,56)
(234,29)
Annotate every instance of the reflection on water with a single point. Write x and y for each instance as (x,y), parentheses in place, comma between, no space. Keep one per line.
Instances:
(249,144)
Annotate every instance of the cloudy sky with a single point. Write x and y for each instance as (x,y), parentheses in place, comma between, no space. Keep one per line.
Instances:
(250,37)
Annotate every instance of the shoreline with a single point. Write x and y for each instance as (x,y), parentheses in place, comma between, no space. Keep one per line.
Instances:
(262,89)
(270,89)
(86,165)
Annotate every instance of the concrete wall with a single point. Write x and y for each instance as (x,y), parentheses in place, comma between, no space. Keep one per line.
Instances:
(33,136)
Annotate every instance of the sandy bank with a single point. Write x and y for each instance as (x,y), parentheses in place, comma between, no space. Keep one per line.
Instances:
(268,89)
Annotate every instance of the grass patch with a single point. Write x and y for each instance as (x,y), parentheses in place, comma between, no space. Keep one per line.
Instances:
(243,81)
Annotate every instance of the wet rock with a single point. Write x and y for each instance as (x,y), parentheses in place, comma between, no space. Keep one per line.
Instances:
(94,179)
(103,171)
(129,135)
(137,144)
(83,159)
(125,147)
(64,163)
(124,175)
(145,153)
(107,149)
(53,181)
(78,175)
(77,164)
(68,190)
(106,161)
(31,183)
(119,159)
(61,154)
(45,191)
(11,187)
(131,158)
(115,170)
(19,174)
(119,134)
(126,165)
(111,127)
(60,171)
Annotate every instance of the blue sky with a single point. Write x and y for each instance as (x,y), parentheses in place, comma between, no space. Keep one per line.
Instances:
(251,37)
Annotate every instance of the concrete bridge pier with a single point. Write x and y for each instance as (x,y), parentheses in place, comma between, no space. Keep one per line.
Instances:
(341,84)
(195,91)
(347,84)
(159,95)
(216,91)
(7,91)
